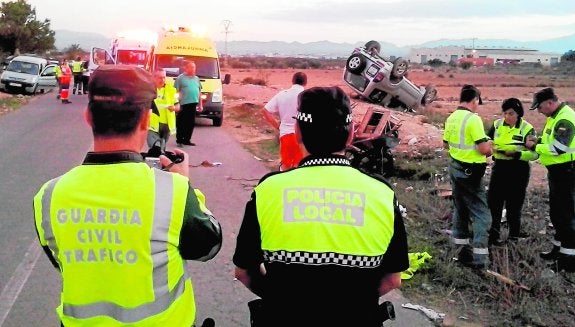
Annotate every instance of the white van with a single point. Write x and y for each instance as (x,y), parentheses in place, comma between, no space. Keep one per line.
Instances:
(28,74)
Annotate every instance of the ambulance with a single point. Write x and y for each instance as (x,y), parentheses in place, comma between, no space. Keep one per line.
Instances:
(175,46)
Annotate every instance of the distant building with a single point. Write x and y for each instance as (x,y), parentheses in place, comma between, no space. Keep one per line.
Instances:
(483,55)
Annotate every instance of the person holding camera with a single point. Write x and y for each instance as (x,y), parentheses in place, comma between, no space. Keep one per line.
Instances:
(310,243)
(118,230)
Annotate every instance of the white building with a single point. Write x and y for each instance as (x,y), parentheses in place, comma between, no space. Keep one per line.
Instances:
(498,54)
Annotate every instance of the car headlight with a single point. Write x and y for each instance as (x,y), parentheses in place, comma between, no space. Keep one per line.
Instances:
(217,95)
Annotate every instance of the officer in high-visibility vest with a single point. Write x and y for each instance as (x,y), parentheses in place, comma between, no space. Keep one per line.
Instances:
(510,171)
(469,147)
(77,72)
(321,243)
(164,108)
(65,81)
(556,148)
(118,230)
(58,74)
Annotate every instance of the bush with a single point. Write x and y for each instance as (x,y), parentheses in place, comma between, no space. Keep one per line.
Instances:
(465,65)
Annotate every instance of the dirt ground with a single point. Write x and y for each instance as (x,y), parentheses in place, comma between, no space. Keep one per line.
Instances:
(415,133)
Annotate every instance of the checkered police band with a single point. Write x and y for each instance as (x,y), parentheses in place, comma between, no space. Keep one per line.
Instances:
(306,117)
(327,161)
(325,258)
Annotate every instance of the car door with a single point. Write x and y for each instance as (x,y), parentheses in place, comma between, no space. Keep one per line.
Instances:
(48,76)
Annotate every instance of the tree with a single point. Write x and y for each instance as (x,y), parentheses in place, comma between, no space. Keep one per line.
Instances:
(568,56)
(73,51)
(20,31)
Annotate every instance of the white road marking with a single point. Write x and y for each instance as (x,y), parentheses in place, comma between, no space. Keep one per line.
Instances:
(19,277)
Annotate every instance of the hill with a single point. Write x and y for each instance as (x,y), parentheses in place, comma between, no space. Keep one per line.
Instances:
(327,49)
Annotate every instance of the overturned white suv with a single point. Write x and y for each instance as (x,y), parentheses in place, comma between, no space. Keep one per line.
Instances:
(385,82)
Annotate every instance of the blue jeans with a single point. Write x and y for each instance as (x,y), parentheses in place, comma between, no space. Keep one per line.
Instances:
(470,208)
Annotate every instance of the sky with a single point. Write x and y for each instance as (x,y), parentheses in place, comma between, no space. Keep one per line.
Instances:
(401,22)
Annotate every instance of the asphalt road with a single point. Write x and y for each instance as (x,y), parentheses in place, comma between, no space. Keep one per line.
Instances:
(46,138)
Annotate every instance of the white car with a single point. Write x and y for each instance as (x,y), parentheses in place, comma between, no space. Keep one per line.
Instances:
(385,82)
(28,74)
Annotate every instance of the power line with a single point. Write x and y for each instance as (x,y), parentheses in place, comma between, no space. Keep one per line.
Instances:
(227,25)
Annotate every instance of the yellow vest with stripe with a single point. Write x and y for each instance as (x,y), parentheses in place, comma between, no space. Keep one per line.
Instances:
(166,96)
(57,71)
(116,239)
(459,128)
(547,149)
(512,138)
(310,210)
(76,67)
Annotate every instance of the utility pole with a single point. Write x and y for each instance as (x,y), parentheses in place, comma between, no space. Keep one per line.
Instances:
(227,24)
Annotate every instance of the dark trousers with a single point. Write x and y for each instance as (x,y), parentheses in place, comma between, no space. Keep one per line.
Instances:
(85,80)
(185,122)
(562,202)
(77,82)
(507,187)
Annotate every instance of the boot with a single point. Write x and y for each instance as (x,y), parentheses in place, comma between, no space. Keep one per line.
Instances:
(551,255)
(566,262)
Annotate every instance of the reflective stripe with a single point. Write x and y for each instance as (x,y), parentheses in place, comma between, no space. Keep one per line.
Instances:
(461,145)
(567,251)
(325,258)
(562,147)
(497,124)
(481,251)
(47,222)
(461,241)
(555,242)
(163,298)
(522,129)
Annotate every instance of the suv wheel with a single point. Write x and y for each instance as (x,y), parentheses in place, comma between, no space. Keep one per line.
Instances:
(373,45)
(429,95)
(399,69)
(356,63)
(217,121)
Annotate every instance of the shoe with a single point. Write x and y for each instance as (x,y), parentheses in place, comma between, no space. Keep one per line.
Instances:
(188,143)
(473,265)
(179,145)
(66,101)
(85,92)
(521,236)
(551,255)
(566,263)
(58,97)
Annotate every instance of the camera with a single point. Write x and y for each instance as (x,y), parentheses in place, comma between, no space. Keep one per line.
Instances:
(152,157)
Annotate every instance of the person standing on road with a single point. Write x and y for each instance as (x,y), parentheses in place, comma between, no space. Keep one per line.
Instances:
(284,105)
(324,232)
(118,230)
(469,147)
(85,76)
(555,148)
(77,73)
(190,91)
(65,81)
(163,116)
(511,169)
(58,74)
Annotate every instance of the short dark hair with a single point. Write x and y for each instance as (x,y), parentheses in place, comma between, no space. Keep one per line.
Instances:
(468,93)
(111,119)
(324,119)
(299,78)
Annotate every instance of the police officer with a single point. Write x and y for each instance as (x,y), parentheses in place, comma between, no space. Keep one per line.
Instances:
(164,108)
(468,147)
(555,148)
(118,230)
(511,169)
(77,72)
(320,250)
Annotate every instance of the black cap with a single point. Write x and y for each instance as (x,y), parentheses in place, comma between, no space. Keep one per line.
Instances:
(513,103)
(324,107)
(121,84)
(543,95)
(469,92)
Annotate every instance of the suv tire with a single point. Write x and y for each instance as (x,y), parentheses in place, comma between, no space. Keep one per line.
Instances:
(400,67)
(429,95)
(217,121)
(373,45)
(356,63)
